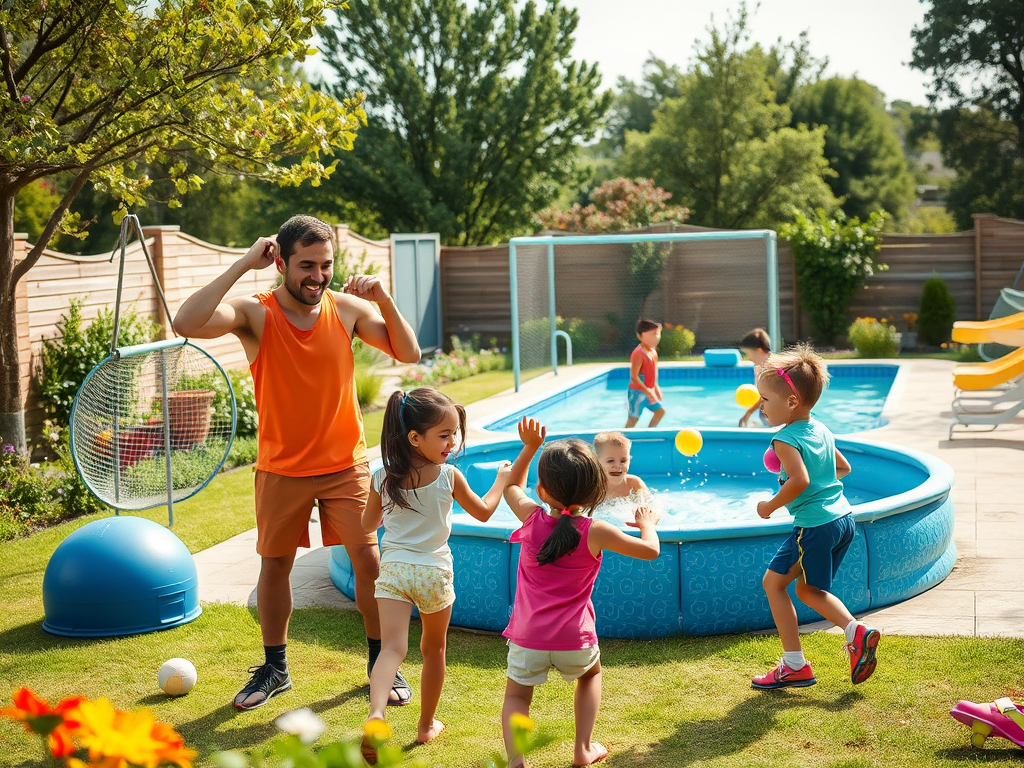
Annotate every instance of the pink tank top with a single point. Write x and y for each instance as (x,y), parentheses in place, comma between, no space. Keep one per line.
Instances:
(553,610)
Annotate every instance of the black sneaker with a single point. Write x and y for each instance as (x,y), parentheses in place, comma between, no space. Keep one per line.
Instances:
(267,681)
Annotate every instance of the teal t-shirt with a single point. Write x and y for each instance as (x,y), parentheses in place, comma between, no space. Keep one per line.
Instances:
(823,500)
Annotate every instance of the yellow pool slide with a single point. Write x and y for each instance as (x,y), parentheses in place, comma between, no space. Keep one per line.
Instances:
(1007,330)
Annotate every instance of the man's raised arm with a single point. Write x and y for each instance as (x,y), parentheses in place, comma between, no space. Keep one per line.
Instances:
(204,314)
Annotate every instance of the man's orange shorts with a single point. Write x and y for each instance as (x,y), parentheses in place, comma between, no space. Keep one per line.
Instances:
(284,505)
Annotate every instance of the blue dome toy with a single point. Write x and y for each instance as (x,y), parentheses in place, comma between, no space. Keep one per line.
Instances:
(119,576)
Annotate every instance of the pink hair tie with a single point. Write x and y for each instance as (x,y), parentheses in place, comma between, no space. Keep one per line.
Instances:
(789,381)
(566,512)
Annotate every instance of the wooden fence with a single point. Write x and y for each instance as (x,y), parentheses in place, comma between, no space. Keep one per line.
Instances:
(718,289)
(183,264)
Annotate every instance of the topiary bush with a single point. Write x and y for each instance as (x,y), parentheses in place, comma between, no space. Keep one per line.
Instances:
(937,314)
(874,339)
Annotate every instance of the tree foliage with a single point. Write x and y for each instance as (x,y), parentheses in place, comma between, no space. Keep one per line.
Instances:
(861,144)
(725,147)
(474,113)
(974,50)
(102,90)
(636,102)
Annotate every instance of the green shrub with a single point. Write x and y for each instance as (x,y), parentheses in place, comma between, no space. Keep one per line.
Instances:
(968,353)
(676,341)
(368,386)
(68,358)
(874,339)
(243,452)
(937,313)
(585,335)
(33,496)
(834,256)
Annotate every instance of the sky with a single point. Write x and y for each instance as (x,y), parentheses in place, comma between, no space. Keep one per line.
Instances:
(868,38)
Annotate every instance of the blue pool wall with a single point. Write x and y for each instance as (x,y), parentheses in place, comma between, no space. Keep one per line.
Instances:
(668,374)
(707,580)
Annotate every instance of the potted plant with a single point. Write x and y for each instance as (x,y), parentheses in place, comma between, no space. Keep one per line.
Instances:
(910,335)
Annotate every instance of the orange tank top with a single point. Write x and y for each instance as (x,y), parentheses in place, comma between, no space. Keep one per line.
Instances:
(309,417)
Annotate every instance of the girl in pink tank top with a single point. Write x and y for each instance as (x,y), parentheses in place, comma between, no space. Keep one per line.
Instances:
(552,623)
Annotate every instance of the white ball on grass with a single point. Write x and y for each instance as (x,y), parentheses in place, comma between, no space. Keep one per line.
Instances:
(177,677)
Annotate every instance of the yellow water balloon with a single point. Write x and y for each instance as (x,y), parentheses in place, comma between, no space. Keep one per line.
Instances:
(747,396)
(689,442)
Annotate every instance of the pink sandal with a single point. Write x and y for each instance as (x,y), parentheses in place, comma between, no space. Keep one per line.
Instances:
(1002,718)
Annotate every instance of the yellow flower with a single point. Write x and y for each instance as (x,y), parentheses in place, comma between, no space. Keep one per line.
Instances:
(376,731)
(522,722)
(120,736)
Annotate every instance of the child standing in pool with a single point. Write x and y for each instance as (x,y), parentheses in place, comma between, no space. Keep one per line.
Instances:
(644,392)
(790,384)
(412,495)
(756,346)
(612,449)
(552,622)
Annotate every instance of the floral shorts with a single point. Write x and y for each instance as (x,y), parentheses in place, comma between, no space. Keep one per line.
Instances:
(429,588)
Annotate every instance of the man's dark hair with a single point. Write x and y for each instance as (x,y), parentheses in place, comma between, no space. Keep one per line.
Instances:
(643,325)
(302,230)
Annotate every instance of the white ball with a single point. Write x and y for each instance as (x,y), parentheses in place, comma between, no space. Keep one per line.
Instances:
(177,677)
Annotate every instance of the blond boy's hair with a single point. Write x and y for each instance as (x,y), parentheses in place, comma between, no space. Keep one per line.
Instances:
(805,369)
(603,439)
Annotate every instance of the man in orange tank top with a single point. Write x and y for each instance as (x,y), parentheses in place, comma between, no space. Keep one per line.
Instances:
(298,339)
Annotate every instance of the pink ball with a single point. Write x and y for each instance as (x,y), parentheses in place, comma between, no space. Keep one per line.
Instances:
(771,461)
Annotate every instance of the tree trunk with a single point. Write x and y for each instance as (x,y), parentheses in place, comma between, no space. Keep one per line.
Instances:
(12,410)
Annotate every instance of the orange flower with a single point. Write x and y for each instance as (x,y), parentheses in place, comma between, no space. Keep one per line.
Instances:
(173,749)
(55,723)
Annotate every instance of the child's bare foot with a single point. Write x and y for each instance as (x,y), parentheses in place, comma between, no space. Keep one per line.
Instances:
(424,735)
(593,753)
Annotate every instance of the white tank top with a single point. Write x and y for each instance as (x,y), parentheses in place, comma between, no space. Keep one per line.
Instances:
(419,535)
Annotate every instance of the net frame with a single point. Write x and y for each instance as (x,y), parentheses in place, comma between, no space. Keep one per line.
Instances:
(769,237)
(130,225)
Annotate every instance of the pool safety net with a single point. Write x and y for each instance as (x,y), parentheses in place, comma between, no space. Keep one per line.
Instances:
(146,415)
(714,285)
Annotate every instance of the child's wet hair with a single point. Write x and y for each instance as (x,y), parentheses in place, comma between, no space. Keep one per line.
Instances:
(643,325)
(570,474)
(604,439)
(805,369)
(757,339)
(415,411)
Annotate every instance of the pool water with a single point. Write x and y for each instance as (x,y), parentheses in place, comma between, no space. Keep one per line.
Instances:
(705,397)
(692,500)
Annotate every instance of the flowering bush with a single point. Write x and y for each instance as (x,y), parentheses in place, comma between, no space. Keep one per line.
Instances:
(110,738)
(676,341)
(834,256)
(872,338)
(463,361)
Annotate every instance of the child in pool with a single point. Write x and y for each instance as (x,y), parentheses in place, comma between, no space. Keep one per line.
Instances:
(756,346)
(552,622)
(412,495)
(790,384)
(643,392)
(612,449)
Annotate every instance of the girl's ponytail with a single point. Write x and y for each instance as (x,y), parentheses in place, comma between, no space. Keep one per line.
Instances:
(563,540)
(571,474)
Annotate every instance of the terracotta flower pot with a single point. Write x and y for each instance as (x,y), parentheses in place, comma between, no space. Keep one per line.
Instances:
(188,413)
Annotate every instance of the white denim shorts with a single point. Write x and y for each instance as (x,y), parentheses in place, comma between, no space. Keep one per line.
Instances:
(528,666)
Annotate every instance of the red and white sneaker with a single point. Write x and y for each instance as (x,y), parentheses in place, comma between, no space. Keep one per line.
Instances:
(862,653)
(784,677)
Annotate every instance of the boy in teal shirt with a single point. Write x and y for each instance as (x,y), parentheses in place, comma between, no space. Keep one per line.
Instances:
(790,385)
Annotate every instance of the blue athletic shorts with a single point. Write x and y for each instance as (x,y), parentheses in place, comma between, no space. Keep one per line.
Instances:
(637,401)
(819,550)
